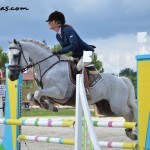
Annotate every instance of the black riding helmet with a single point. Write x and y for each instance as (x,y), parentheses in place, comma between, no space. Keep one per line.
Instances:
(57,16)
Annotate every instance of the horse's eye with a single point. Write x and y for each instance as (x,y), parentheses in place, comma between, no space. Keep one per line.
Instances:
(15,56)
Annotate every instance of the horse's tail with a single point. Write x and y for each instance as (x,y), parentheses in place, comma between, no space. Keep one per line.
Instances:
(131,98)
(130,87)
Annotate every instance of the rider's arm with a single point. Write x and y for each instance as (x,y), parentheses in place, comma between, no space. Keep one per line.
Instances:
(70,34)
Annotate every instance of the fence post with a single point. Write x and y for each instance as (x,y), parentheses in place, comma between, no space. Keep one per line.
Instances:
(79,110)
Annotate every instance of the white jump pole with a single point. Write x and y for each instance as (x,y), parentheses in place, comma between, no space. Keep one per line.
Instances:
(88,116)
(79,113)
(82,105)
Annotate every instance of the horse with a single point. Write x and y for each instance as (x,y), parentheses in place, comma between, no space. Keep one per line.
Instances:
(112,95)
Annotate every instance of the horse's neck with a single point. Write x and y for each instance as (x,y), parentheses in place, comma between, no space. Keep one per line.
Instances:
(38,53)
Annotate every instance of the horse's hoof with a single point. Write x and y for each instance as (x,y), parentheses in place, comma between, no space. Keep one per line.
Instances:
(55,109)
(130,134)
(134,137)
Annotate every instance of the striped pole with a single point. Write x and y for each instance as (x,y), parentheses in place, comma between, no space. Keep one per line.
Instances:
(43,123)
(108,144)
(117,124)
(46,139)
(64,123)
(123,145)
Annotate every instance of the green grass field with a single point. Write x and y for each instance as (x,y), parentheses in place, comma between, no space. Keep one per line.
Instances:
(42,112)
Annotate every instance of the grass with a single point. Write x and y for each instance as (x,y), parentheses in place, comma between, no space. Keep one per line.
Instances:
(42,112)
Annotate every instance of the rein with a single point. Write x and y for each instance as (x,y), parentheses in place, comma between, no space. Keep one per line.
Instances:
(34,64)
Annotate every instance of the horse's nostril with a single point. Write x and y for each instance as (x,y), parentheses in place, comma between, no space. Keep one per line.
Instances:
(13,77)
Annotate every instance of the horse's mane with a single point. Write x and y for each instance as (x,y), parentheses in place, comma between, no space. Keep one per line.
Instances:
(41,44)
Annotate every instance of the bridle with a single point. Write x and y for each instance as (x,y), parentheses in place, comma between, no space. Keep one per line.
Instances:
(18,69)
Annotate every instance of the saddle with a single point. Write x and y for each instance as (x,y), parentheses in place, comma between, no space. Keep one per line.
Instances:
(93,73)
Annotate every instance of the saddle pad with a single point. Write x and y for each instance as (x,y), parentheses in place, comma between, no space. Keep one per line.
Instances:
(93,79)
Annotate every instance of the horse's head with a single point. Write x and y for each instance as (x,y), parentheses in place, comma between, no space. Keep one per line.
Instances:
(17,60)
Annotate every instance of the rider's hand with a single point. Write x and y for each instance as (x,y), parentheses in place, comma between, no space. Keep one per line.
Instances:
(71,58)
(56,53)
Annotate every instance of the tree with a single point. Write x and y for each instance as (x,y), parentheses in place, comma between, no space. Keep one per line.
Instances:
(127,72)
(3,58)
(56,47)
(98,63)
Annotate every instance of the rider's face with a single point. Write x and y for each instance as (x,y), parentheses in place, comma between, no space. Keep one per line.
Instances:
(52,24)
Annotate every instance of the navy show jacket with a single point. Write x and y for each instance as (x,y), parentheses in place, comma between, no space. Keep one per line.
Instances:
(70,41)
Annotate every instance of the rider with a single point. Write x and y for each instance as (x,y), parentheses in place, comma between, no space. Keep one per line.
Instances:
(69,40)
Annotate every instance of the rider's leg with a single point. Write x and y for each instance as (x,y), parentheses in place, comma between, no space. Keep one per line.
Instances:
(74,59)
(79,65)
(86,84)
(86,80)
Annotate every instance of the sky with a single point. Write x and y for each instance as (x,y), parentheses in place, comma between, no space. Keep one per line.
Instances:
(110,25)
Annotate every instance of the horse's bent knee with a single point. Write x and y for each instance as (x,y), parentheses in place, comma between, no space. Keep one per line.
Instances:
(37,95)
(30,96)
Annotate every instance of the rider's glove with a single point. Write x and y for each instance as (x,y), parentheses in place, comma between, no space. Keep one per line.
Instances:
(56,52)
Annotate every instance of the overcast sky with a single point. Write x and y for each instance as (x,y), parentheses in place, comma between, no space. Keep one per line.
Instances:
(111,25)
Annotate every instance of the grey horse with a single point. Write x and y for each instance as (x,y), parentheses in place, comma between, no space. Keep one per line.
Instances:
(112,95)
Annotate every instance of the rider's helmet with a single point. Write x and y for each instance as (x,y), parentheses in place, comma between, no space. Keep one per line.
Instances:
(57,16)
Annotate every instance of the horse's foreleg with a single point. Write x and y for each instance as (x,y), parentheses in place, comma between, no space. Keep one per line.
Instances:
(40,97)
(30,97)
(53,92)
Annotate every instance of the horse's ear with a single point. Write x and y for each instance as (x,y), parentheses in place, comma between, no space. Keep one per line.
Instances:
(9,42)
(15,41)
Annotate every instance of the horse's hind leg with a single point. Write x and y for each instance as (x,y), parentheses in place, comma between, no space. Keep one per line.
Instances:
(131,107)
(129,131)
(132,117)
(127,112)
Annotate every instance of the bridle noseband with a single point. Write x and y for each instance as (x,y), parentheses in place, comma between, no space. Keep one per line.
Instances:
(18,68)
